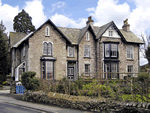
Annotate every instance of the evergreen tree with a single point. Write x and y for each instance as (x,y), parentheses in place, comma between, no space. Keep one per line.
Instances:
(23,23)
(4,60)
(147,53)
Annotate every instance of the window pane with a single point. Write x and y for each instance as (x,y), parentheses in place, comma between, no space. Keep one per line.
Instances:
(71,51)
(45,48)
(107,50)
(87,36)
(87,69)
(114,50)
(87,50)
(113,70)
(49,48)
(130,70)
(130,52)
(49,69)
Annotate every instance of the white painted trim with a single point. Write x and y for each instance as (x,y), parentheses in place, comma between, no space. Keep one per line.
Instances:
(17,71)
(132,52)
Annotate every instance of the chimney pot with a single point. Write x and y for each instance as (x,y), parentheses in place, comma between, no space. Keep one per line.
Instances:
(90,21)
(126,26)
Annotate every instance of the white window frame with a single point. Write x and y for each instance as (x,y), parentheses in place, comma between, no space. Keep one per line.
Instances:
(89,69)
(47,31)
(47,69)
(47,53)
(130,50)
(87,50)
(87,36)
(110,33)
(114,48)
(70,49)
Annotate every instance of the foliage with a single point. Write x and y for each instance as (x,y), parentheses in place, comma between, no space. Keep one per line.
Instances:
(29,81)
(23,23)
(4,56)
(5,83)
(92,89)
(141,87)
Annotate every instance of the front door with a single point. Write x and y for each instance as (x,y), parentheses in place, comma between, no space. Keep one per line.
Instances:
(71,73)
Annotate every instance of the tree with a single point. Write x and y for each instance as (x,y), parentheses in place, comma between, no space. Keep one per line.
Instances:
(145,48)
(23,23)
(4,60)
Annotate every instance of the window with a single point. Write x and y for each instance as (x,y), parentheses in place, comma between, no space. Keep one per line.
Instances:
(71,51)
(111,69)
(24,50)
(47,48)
(47,31)
(47,70)
(110,33)
(111,50)
(129,52)
(107,50)
(87,69)
(87,36)
(130,70)
(87,51)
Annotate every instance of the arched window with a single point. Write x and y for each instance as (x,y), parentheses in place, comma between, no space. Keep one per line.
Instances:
(87,36)
(47,31)
(47,48)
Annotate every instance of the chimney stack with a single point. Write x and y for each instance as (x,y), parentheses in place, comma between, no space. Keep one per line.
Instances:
(90,21)
(126,26)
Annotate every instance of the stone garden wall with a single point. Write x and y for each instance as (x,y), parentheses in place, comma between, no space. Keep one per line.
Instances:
(86,103)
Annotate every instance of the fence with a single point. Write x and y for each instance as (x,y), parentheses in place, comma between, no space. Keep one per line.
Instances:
(109,85)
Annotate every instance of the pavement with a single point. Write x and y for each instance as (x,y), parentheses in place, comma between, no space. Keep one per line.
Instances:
(16,99)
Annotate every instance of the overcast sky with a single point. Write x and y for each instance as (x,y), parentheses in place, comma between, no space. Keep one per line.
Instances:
(74,13)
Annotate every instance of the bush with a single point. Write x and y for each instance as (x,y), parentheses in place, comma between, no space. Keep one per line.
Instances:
(93,89)
(29,81)
(5,83)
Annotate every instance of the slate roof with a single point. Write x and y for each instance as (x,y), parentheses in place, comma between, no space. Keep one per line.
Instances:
(130,37)
(15,37)
(71,33)
(75,35)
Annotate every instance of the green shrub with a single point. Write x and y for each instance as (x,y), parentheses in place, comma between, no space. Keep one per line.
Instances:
(5,83)
(93,89)
(29,81)
(143,77)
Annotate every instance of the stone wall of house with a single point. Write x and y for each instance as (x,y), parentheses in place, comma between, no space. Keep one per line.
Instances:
(59,51)
(87,60)
(122,56)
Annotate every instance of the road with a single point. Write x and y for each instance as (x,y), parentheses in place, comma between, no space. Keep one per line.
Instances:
(10,103)
(8,108)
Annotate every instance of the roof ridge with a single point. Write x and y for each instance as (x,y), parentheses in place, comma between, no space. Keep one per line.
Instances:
(68,28)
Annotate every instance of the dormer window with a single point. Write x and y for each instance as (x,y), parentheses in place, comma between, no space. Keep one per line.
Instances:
(110,33)
(87,36)
(47,31)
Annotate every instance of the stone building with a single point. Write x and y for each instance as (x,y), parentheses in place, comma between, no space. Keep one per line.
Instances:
(56,52)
